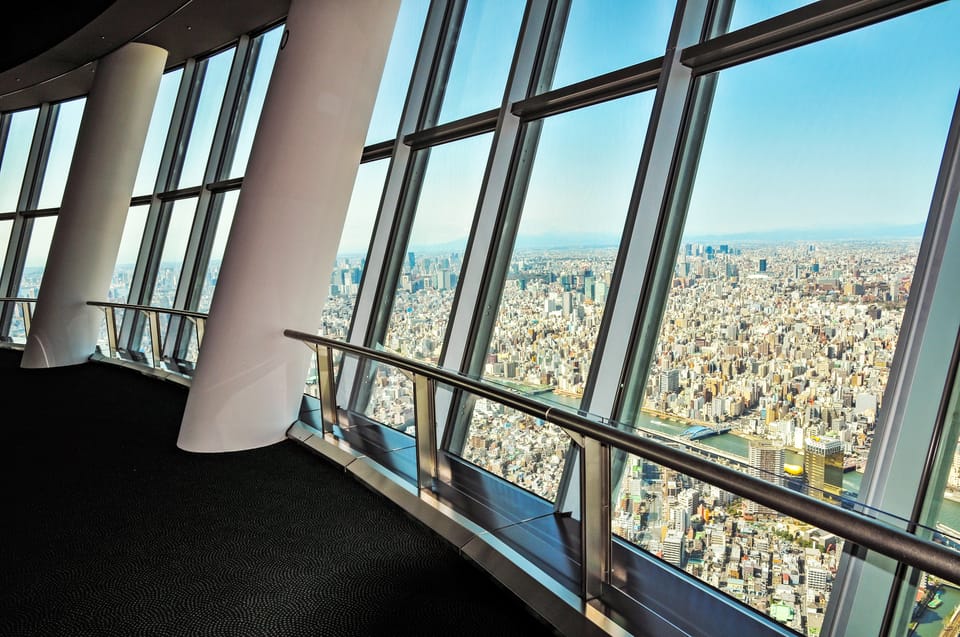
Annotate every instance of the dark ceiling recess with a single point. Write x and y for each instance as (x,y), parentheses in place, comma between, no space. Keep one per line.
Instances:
(30,28)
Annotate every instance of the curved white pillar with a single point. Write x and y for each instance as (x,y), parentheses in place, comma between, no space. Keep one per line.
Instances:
(96,199)
(249,378)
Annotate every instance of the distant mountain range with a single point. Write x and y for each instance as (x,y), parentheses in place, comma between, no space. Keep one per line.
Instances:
(868,232)
(605,240)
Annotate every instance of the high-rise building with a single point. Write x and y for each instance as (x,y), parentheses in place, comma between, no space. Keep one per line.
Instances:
(766,463)
(674,549)
(823,466)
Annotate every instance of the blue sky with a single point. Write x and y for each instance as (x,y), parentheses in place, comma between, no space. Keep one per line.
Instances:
(841,133)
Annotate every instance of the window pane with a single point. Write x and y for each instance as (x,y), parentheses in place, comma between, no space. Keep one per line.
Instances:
(269,46)
(157,133)
(602,37)
(205,119)
(37,251)
(396,73)
(747,12)
(430,271)
(127,255)
(174,249)
(6,226)
(228,207)
(485,45)
(13,164)
(560,271)
(799,248)
(352,252)
(61,153)
(934,601)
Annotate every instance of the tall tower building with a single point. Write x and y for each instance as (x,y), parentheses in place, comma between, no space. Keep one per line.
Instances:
(823,466)
(766,463)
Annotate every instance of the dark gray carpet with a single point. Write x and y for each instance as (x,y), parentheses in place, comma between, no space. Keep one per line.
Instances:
(111,530)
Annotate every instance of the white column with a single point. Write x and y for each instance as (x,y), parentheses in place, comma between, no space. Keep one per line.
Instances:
(96,199)
(249,379)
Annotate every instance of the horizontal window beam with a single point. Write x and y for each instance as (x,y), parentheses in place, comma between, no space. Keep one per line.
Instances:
(620,83)
(373,152)
(807,24)
(460,129)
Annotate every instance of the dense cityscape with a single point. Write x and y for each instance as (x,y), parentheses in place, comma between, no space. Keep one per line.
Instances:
(781,350)
(786,346)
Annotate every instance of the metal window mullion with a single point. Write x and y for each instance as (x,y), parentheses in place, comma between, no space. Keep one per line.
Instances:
(617,338)
(144,272)
(489,248)
(5,122)
(205,218)
(248,49)
(363,321)
(22,229)
(914,402)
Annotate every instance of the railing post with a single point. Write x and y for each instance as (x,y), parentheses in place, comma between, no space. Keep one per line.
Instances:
(199,323)
(154,319)
(595,490)
(424,391)
(27,315)
(110,317)
(327,383)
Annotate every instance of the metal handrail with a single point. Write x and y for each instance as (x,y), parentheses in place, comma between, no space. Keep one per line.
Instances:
(153,319)
(866,532)
(18,299)
(148,308)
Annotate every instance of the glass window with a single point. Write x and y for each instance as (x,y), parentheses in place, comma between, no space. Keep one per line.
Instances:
(130,242)
(269,47)
(6,227)
(396,73)
(747,12)
(228,206)
(430,270)
(216,72)
(13,163)
(560,272)
(157,133)
(481,62)
(352,251)
(798,253)
(36,260)
(61,153)
(935,601)
(174,249)
(601,37)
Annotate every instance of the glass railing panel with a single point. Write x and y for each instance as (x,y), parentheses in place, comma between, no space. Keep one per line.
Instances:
(18,332)
(774,564)
(526,451)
